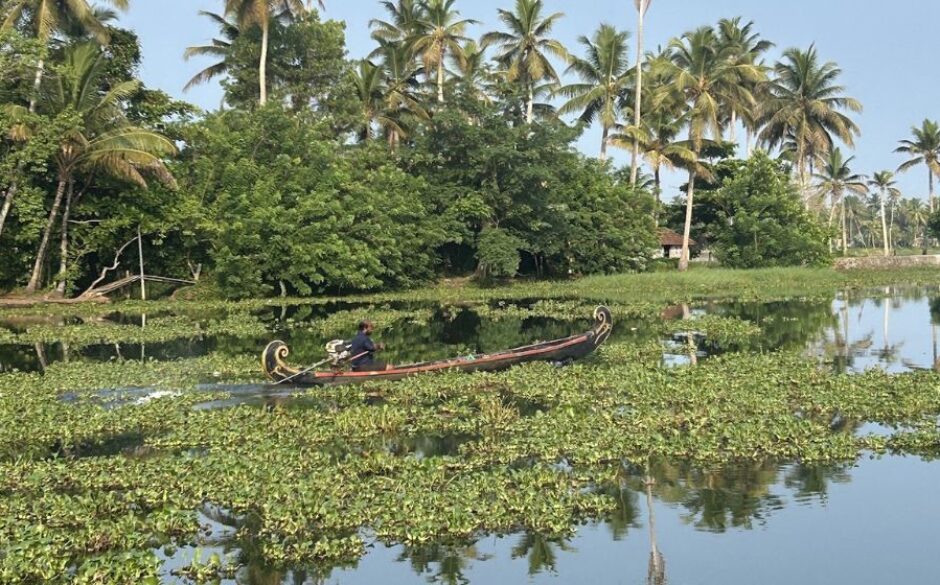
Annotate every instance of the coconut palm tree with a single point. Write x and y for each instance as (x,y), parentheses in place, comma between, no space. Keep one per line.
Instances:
(806,105)
(923,149)
(657,140)
(916,215)
(45,17)
(642,6)
(402,24)
(473,72)
(745,48)
(248,13)
(525,48)
(219,48)
(401,102)
(887,189)
(835,179)
(605,76)
(701,70)
(101,140)
(369,83)
(439,33)
(858,217)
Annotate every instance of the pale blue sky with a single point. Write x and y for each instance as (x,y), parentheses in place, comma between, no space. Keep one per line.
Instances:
(885,49)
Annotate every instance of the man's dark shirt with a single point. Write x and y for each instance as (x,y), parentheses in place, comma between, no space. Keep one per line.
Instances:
(362,343)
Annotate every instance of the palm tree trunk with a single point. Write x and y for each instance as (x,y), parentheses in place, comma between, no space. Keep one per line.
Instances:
(884,226)
(64,240)
(637,100)
(801,161)
(747,139)
(263,65)
(657,182)
(7,204)
(734,128)
(687,233)
(891,230)
(858,228)
(530,106)
(37,82)
(604,138)
(47,233)
(832,216)
(440,79)
(845,235)
(930,178)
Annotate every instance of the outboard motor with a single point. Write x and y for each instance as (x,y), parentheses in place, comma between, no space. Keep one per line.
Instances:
(338,351)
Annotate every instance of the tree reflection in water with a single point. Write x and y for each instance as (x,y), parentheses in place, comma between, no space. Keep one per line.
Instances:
(451,562)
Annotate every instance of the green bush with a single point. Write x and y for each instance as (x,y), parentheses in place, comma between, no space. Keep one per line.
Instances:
(498,254)
(287,209)
(933,224)
(762,222)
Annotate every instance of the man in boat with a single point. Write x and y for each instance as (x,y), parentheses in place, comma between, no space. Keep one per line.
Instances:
(363,347)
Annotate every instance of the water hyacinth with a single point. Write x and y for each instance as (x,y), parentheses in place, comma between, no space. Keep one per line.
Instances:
(108,468)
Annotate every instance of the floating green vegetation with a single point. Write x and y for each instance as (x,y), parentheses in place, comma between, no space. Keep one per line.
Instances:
(163,327)
(92,484)
(724,331)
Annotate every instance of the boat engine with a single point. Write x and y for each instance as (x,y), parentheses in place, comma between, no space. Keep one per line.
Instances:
(338,351)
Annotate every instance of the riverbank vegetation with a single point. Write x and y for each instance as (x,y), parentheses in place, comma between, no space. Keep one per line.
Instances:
(436,154)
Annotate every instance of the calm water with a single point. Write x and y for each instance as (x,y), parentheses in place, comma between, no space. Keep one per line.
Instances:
(895,329)
(871,523)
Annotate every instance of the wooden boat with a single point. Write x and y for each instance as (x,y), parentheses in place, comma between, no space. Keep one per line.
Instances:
(559,350)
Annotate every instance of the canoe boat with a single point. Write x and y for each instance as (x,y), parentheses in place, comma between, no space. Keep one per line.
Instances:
(274,358)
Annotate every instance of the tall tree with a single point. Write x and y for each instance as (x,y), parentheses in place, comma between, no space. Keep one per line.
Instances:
(259,13)
(439,33)
(525,48)
(402,23)
(834,180)
(473,72)
(807,105)
(701,70)
(48,16)
(888,193)
(665,116)
(642,6)
(401,103)
(605,76)
(96,135)
(745,47)
(219,48)
(369,83)
(916,215)
(923,148)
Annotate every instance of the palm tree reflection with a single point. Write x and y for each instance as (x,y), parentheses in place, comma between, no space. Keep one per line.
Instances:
(656,569)
(540,551)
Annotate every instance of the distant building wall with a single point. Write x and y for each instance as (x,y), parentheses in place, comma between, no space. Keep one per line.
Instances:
(882,262)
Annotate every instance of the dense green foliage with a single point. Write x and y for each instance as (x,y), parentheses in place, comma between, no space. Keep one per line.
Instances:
(567,214)
(761,221)
(274,200)
(933,224)
(435,155)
